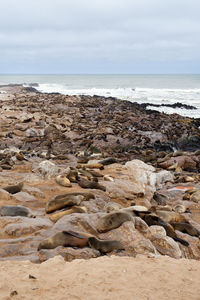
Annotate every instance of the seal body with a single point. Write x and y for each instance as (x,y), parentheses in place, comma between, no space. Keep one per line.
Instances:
(65,200)
(64,181)
(154,220)
(65,238)
(14,211)
(59,214)
(87,184)
(170,216)
(103,245)
(13,189)
(186,228)
(113,220)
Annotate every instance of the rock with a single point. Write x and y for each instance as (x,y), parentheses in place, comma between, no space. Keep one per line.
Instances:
(166,245)
(161,199)
(17,226)
(191,252)
(76,222)
(98,203)
(184,162)
(142,227)
(157,230)
(24,117)
(195,197)
(68,253)
(163,177)
(131,239)
(25,197)
(36,192)
(137,180)
(5,196)
(48,169)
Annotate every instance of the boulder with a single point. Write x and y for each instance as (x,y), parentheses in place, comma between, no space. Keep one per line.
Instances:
(136,179)
(166,245)
(17,226)
(132,240)
(195,197)
(48,169)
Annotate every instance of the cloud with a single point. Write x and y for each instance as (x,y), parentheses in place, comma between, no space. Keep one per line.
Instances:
(88,36)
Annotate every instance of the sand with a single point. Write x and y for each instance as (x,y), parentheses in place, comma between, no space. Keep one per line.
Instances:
(104,278)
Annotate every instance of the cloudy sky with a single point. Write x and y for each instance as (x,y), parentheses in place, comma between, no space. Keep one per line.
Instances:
(99,36)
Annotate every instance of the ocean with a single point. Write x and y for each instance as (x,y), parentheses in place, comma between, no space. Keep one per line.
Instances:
(154,89)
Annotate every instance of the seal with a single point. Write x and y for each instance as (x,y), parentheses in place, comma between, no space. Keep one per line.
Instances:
(91,166)
(134,208)
(14,211)
(73,175)
(75,209)
(108,161)
(86,184)
(65,239)
(113,220)
(155,220)
(95,173)
(179,208)
(112,206)
(64,200)
(86,174)
(169,216)
(104,246)
(13,189)
(186,228)
(64,181)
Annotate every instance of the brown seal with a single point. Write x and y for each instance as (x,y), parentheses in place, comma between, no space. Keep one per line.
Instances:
(112,206)
(59,214)
(103,245)
(113,220)
(186,228)
(65,238)
(64,181)
(168,216)
(13,189)
(91,166)
(73,175)
(86,184)
(65,200)
(155,220)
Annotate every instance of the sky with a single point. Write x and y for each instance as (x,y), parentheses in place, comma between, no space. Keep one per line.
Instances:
(99,36)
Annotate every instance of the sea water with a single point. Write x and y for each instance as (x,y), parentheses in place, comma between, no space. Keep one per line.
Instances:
(154,89)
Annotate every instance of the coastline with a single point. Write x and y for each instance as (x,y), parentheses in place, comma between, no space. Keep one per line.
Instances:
(78,132)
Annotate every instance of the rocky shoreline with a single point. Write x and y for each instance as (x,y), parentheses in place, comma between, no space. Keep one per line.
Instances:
(98,176)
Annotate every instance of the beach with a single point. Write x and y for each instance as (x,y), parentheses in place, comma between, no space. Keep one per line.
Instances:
(100,198)
(140,278)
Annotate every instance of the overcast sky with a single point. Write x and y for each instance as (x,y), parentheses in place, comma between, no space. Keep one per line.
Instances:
(99,36)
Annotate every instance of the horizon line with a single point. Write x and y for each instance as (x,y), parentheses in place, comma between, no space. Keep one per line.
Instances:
(2,74)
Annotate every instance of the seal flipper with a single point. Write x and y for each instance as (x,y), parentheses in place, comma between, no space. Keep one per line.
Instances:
(75,234)
(183,242)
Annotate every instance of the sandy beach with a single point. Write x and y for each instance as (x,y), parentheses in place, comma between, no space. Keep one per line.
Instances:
(105,278)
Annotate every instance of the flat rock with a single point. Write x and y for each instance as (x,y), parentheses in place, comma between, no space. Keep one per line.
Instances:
(68,253)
